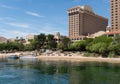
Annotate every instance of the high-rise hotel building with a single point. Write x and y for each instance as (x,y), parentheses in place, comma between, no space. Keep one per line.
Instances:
(83,21)
(115,15)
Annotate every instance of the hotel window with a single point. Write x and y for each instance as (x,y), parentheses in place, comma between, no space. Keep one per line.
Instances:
(116,5)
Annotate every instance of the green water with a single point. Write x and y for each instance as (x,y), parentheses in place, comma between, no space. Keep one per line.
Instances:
(60,72)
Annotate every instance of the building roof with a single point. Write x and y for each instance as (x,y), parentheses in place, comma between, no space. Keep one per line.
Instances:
(86,7)
(77,36)
(113,32)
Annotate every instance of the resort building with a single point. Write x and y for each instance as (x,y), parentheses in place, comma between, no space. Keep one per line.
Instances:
(97,34)
(29,37)
(115,18)
(115,15)
(57,37)
(83,22)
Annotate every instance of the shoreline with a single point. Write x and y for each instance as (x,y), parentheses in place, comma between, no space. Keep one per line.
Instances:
(78,59)
(75,58)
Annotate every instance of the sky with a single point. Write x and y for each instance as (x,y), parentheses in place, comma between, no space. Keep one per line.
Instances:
(19,18)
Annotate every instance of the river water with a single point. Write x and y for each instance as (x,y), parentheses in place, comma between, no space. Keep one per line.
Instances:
(58,72)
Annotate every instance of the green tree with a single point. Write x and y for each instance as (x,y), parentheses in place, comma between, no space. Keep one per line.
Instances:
(50,42)
(116,38)
(28,47)
(79,45)
(103,38)
(65,42)
(114,48)
(88,40)
(2,46)
(12,46)
(33,44)
(40,41)
(99,44)
(21,47)
(101,48)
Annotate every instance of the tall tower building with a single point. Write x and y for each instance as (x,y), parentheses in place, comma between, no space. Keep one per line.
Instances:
(83,21)
(115,15)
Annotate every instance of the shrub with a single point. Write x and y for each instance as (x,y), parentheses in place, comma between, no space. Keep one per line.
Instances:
(101,48)
(103,39)
(79,45)
(111,54)
(115,48)
(86,54)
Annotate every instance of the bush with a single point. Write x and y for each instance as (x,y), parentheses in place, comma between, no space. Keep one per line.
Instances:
(103,39)
(79,45)
(88,41)
(71,48)
(94,54)
(101,48)
(115,48)
(111,54)
(86,54)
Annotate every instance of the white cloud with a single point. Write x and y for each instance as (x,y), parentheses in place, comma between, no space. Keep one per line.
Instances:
(23,25)
(7,18)
(12,33)
(33,14)
(8,7)
(51,29)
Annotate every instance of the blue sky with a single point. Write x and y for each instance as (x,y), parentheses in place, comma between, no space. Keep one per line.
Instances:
(22,17)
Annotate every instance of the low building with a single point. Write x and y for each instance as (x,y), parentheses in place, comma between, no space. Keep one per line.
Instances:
(112,33)
(97,34)
(29,37)
(57,37)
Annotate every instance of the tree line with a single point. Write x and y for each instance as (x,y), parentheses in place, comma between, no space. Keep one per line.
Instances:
(41,41)
(103,45)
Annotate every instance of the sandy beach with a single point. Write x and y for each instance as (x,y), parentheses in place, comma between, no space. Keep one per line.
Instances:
(4,55)
(78,59)
(74,58)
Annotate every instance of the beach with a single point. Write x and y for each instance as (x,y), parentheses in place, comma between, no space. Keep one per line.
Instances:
(6,55)
(78,59)
(72,58)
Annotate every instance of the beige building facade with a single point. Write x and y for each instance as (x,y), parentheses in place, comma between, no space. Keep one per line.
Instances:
(115,15)
(57,37)
(83,21)
(29,37)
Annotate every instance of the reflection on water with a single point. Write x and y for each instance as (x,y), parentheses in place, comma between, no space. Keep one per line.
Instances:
(60,72)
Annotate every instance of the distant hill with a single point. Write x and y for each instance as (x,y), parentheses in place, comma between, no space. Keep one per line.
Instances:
(3,39)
